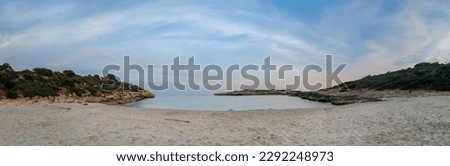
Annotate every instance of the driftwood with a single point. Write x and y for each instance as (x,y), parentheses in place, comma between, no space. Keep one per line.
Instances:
(66,108)
(177,120)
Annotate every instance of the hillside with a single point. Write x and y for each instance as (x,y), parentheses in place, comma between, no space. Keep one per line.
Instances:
(45,83)
(424,76)
(425,79)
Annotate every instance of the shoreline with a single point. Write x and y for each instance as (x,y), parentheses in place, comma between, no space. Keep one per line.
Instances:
(336,96)
(396,121)
(115,98)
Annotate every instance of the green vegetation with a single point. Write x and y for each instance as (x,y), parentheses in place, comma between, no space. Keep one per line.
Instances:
(44,82)
(424,76)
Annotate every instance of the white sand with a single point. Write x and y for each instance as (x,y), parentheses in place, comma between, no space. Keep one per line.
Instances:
(398,121)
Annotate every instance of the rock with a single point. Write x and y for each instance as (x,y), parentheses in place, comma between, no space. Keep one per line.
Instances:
(87,94)
(254,92)
(35,99)
(342,102)
(51,98)
(118,97)
(339,98)
(69,100)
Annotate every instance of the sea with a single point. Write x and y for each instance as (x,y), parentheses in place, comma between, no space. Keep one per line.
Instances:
(210,102)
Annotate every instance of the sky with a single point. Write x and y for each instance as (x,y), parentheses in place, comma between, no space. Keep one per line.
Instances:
(370,36)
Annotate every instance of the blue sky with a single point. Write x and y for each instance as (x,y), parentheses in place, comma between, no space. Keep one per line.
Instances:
(371,36)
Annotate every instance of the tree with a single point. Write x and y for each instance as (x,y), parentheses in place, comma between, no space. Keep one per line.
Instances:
(43,71)
(69,73)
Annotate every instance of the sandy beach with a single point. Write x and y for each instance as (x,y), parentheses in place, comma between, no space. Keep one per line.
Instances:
(396,121)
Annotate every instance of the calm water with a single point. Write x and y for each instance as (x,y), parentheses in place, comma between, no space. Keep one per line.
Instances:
(224,103)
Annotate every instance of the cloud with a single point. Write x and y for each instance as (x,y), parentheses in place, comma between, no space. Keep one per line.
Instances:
(378,36)
(371,36)
(202,25)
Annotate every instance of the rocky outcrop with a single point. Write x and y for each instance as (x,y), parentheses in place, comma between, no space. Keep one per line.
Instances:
(425,79)
(42,85)
(337,96)
(335,99)
(122,97)
(256,92)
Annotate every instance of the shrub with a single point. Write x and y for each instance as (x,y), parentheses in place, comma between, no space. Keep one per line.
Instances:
(6,67)
(44,82)
(134,88)
(92,90)
(69,73)
(424,76)
(77,91)
(11,94)
(67,83)
(112,77)
(43,71)
(39,89)
(97,77)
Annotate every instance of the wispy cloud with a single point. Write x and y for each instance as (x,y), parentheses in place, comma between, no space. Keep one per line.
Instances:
(378,36)
(371,36)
